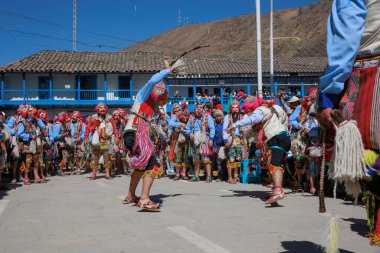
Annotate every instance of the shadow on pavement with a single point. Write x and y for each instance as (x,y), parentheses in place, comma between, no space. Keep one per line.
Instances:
(158,198)
(359,226)
(305,246)
(8,187)
(262,195)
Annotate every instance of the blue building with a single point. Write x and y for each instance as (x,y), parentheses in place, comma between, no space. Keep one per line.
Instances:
(79,80)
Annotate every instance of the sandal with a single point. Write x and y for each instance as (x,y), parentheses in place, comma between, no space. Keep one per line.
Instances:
(149,206)
(176,177)
(131,200)
(27,181)
(274,197)
(184,177)
(194,179)
(208,179)
(231,181)
(109,177)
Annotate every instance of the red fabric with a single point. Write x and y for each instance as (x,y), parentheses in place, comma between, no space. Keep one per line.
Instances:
(378,222)
(143,150)
(219,106)
(363,103)
(254,105)
(147,107)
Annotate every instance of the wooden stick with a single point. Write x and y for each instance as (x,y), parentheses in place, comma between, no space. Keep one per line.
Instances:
(322,206)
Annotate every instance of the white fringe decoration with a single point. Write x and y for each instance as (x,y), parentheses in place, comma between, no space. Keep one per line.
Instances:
(349,164)
(179,67)
(331,244)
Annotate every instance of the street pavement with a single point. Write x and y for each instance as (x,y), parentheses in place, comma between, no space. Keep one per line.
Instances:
(74,214)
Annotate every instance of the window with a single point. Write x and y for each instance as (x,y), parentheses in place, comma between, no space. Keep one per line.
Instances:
(43,88)
(124,86)
(88,87)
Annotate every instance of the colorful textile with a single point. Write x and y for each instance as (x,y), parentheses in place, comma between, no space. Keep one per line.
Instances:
(143,149)
(361,100)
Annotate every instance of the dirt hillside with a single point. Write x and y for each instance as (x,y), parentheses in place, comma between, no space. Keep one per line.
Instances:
(236,36)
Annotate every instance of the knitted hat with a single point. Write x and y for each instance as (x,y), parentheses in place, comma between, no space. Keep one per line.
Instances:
(159,91)
(235,102)
(251,103)
(218,112)
(42,114)
(100,105)
(61,117)
(23,109)
(76,114)
(122,112)
(306,101)
(240,94)
(313,93)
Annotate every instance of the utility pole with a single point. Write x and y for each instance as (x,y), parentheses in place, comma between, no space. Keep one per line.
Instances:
(259,61)
(179,18)
(74,25)
(271,44)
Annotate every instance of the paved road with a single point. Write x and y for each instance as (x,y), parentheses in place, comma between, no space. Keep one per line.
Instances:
(74,214)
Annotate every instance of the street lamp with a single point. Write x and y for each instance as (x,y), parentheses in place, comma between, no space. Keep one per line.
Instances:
(259,61)
(271,43)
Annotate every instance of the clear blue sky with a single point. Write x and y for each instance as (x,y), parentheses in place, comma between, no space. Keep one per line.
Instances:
(29,26)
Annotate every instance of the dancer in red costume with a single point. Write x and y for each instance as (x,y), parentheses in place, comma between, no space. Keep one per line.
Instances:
(139,136)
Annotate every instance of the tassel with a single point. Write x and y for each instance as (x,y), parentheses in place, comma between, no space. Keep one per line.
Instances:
(331,245)
(374,238)
(353,188)
(370,157)
(349,163)
(333,238)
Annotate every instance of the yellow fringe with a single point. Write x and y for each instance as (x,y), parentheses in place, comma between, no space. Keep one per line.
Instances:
(370,157)
(177,165)
(151,173)
(374,238)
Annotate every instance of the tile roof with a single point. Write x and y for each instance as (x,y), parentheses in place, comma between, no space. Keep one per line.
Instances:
(72,62)
(249,66)
(123,62)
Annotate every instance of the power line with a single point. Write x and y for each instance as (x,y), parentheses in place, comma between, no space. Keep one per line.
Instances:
(55,38)
(85,31)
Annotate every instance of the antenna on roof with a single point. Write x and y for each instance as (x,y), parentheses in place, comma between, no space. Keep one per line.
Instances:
(179,18)
(74,25)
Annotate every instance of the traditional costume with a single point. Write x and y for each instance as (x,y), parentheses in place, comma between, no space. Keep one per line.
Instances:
(46,158)
(306,136)
(100,126)
(201,130)
(118,153)
(61,154)
(13,148)
(272,121)
(4,140)
(30,131)
(351,84)
(179,148)
(233,142)
(140,135)
(74,141)
(219,149)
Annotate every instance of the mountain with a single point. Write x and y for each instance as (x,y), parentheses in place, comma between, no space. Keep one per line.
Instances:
(236,36)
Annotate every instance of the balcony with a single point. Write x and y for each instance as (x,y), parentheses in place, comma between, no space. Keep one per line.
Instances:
(66,97)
